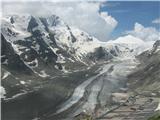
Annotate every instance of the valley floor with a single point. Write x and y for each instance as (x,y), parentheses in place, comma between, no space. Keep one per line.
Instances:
(143,108)
(105,96)
(101,96)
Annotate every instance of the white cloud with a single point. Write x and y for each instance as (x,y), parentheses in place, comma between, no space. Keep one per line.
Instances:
(109,19)
(145,33)
(83,15)
(53,0)
(156,21)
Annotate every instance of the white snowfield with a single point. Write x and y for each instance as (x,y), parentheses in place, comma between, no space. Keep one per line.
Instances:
(132,43)
(70,39)
(43,74)
(158,107)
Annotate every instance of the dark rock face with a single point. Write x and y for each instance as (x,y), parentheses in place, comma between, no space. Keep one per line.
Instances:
(73,38)
(54,20)
(156,46)
(10,59)
(45,23)
(101,53)
(148,73)
(12,20)
(32,24)
(36,50)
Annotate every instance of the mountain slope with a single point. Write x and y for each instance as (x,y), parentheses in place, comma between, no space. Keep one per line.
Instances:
(49,39)
(139,100)
(147,77)
(46,46)
(43,60)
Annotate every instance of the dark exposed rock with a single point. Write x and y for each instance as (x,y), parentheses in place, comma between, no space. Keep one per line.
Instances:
(12,20)
(32,24)
(14,61)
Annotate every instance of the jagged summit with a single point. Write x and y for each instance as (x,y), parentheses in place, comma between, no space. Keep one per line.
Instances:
(49,40)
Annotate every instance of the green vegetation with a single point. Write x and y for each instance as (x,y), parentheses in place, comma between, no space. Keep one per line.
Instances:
(155,117)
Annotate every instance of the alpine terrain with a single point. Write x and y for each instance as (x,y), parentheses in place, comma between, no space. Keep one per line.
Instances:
(52,71)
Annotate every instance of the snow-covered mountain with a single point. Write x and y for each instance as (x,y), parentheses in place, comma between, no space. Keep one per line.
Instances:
(45,46)
(43,60)
(129,40)
(132,43)
(37,40)
(37,48)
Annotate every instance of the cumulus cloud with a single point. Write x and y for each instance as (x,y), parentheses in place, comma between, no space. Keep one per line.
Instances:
(156,21)
(145,33)
(83,15)
(109,19)
(53,0)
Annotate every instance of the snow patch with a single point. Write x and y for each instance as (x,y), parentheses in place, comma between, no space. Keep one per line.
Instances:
(64,70)
(2,92)
(71,59)
(60,59)
(43,74)
(54,49)
(36,118)
(56,66)
(37,47)
(17,95)
(33,63)
(6,74)
(26,57)
(22,82)
(5,62)
(158,107)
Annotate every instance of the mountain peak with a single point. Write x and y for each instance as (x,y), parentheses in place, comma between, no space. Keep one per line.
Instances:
(156,46)
(129,39)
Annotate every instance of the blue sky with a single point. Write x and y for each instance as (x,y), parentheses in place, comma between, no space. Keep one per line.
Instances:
(127,13)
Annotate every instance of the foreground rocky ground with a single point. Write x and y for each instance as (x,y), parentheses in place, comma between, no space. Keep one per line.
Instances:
(134,107)
(142,108)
